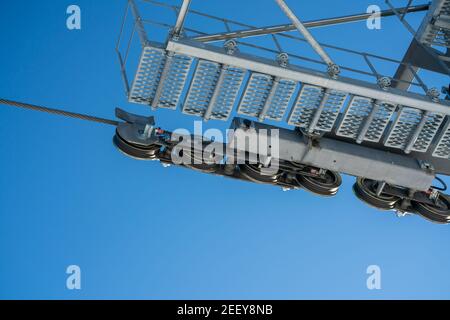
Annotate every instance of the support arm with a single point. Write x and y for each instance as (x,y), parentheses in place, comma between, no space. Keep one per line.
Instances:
(181,17)
(333,68)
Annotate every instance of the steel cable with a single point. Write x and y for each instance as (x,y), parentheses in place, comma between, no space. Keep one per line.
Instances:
(58,112)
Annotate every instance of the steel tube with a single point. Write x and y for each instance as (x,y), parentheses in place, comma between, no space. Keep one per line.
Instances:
(181,17)
(304,31)
(308,24)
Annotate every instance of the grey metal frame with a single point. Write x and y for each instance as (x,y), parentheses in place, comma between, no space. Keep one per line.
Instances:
(420,54)
(293,56)
(340,156)
(385,126)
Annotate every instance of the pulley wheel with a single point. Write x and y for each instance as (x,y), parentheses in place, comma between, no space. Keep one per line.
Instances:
(366,191)
(439,213)
(325,185)
(135,151)
(255,173)
(198,163)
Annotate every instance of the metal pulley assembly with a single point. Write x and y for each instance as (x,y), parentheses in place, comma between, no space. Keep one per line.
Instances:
(139,138)
(325,119)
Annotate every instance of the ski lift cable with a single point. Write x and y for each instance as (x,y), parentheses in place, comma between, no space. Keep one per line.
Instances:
(59,112)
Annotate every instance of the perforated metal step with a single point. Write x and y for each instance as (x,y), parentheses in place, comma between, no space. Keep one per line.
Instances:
(316,109)
(173,80)
(256,94)
(365,120)
(160,78)
(266,97)
(148,76)
(443,146)
(414,130)
(213,91)
(202,88)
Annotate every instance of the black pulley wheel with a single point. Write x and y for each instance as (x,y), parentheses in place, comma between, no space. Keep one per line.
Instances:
(135,151)
(198,163)
(255,173)
(438,213)
(366,191)
(296,165)
(326,184)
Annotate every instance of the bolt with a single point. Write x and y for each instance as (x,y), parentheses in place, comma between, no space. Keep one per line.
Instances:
(246,124)
(434,195)
(230,46)
(283,59)
(384,82)
(434,94)
(334,70)
(176,36)
(147,133)
(401,214)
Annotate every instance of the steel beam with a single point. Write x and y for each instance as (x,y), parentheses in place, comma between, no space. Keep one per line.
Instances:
(246,33)
(339,156)
(419,58)
(419,54)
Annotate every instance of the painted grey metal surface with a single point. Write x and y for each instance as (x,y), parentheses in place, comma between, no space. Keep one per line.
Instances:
(436,27)
(398,127)
(433,31)
(269,91)
(339,156)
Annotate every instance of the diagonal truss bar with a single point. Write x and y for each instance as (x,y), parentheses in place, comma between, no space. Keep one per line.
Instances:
(181,17)
(304,31)
(251,32)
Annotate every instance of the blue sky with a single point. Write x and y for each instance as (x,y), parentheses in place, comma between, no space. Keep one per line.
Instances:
(137,230)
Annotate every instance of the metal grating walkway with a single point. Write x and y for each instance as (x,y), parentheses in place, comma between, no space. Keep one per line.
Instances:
(220,84)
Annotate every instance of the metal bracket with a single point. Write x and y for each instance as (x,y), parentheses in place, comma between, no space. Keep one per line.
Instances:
(426,166)
(230,46)
(136,129)
(134,118)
